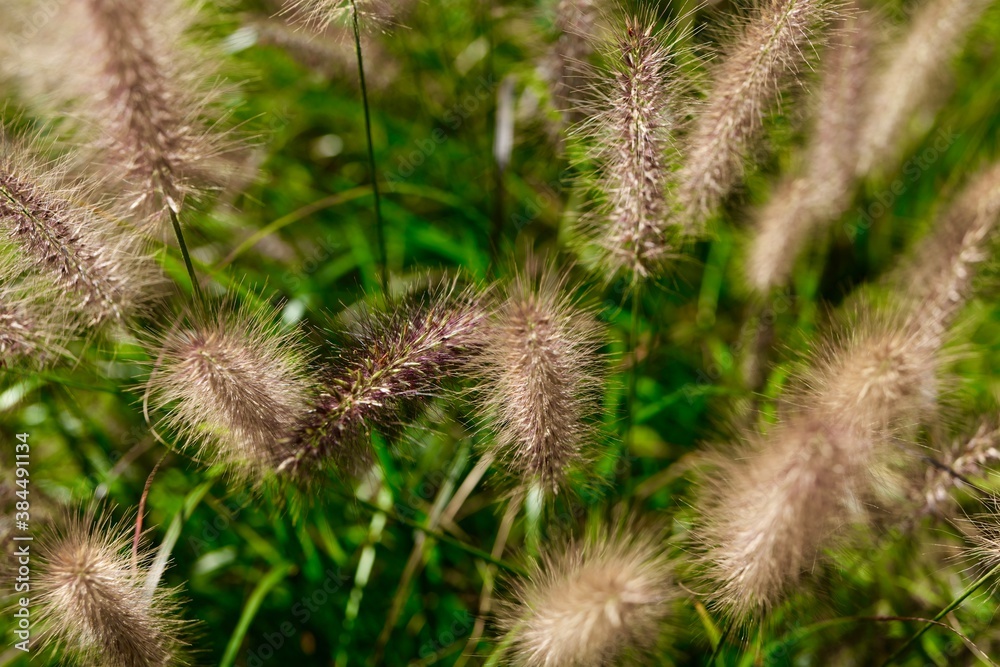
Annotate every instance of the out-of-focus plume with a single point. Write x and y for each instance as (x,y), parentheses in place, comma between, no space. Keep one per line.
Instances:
(591,603)
(59,231)
(775,506)
(907,85)
(147,96)
(802,206)
(769,51)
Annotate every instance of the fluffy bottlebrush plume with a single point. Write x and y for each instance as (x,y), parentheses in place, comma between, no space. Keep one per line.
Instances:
(967,458)
(35,320)
(539,377)
(782,228)
(68,240)
(883,371)
(940,278)
(576,23)
(775,506)
(879,371)
(801,206)
(831,154)
(911,77)
(152,99)
(234,386)
(592,603)
(399,356)
(631,133)
(768,51)
(140,93)
(986,535)
(95,598)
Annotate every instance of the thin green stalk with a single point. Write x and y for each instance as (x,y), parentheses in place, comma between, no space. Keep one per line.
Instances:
(264,586)
(195,285)
(438,535)
(633,376)
(420,546)
(944,612)
(717,651)
(379,226)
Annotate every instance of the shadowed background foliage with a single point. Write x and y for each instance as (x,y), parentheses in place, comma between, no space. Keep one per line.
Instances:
(271,577)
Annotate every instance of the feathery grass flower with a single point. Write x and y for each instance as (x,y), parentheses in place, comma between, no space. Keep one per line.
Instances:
(96,600)
(235,386)
(67,240)
(591,603)
(938,281)
(768,52)
(35,320)
(154,98)
(878,371)
(775,506)
(539,378)
(321,14)
(909,80)
(576,23)
(137,90)
(967,457)
(631,130)
(400,356)
(803,206)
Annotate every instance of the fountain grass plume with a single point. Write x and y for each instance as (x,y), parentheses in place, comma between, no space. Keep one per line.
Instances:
(398,357)
(592,602)
(539,379)
(95,599)
(58,228)
(629,128)
(36,320)
(802,206)
(967,458)
(939,279)
(775,505)
(155,100)
(130,80)
(234,384)
(910,79)
(319,15)
(766,54)
(576,22)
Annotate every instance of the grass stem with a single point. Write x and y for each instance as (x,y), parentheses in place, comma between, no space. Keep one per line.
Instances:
(973,587)
(379,225)
(195,284)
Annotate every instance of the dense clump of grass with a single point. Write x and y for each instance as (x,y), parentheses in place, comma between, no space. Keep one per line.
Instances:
(287,455)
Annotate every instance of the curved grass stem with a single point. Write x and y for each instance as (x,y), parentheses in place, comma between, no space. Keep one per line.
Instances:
(379,225)
(972,588)
(195,284)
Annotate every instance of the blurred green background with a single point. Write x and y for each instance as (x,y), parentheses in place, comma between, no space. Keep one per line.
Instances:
(271,579)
